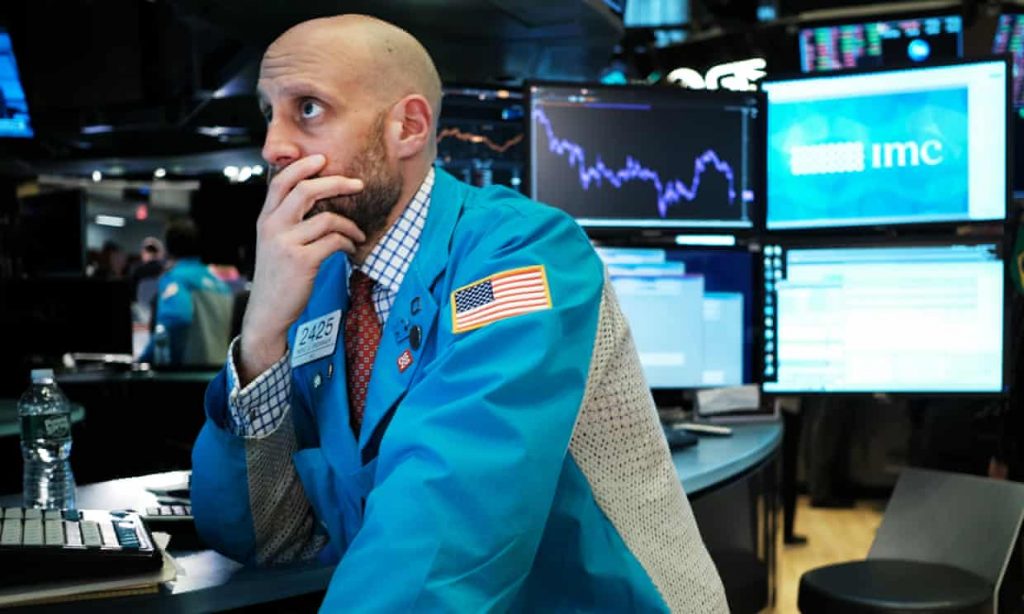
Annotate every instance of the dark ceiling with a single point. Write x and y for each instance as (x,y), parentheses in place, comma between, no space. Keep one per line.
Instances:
(129,78)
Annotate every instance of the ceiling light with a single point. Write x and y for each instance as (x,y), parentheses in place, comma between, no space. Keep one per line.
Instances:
(115,221)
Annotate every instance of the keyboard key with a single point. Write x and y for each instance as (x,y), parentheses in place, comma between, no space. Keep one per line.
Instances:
(11,533)
(53,532)
(179,510)
(152,511)
(14,512)
(126,534)
(32,532)
(91,534)
(188,510)
(51,514)
(33,513)
(72,515)
(109,535)
(72,534)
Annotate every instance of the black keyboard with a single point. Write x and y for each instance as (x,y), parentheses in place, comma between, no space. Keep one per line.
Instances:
(52,545)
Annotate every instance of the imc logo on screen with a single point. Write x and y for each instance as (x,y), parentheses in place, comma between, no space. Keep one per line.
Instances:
(857,157)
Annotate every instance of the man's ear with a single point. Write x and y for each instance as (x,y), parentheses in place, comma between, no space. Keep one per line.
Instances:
(411,126)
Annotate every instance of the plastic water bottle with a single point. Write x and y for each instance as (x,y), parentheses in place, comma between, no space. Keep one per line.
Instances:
(46,444)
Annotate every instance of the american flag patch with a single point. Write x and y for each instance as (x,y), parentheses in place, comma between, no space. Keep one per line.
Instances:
(500,296)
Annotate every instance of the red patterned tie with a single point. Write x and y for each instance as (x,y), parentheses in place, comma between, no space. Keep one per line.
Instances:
(362,336)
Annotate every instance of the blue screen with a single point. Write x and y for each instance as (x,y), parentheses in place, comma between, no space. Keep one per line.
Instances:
(922,145)
(689,313)
(925,319)
(14,119)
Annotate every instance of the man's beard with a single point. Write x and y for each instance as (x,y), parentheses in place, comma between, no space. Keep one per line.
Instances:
(370,208)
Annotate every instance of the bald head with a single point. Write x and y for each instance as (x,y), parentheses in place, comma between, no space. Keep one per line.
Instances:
(386,62)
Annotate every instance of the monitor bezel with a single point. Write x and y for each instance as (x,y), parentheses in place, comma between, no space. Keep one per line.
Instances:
(611,231)
(666,397)
(914,226)
(1004,244)
(866,18)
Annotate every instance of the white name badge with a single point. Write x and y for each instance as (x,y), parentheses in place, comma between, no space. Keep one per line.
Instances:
(316,338)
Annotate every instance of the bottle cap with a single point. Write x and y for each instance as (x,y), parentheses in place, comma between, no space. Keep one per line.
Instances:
(42,375)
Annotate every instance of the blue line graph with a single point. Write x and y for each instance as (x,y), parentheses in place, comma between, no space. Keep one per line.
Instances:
(669,192)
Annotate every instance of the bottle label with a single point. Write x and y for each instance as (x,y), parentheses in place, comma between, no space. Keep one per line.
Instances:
(45,427)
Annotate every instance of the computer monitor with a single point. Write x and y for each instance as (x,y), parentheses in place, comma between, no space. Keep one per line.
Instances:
(878,44)
(924,319)
(51,233)
(925,145)
(14,116)
(647,157)
(656,13)
(690,312)
(1009,38)
(43,319)
(481,136)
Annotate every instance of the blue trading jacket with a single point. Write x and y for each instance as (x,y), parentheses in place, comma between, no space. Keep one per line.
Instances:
(515,466)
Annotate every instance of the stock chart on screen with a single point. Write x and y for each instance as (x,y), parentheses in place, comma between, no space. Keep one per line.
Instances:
(480,136)
(646,157)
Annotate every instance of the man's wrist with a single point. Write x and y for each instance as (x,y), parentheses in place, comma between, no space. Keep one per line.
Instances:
(256,354)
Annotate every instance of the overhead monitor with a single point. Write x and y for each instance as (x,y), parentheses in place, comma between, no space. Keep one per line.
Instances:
(924,145)
(656,13)
(647,157)
(481,136)
(878,44)
(1009,38)
(14,117)
(926,319)
(690,313)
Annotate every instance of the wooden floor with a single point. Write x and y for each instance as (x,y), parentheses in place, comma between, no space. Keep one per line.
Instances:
(833,536)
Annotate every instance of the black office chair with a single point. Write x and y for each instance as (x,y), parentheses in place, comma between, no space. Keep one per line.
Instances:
(944,546)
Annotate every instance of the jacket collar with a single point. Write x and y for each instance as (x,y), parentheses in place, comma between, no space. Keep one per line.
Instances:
(414,307)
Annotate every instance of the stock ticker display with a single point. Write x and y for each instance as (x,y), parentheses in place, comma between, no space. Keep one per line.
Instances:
(881,43)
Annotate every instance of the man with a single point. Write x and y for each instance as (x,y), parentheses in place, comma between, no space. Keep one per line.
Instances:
(177,322)
(506,453)
(146,275)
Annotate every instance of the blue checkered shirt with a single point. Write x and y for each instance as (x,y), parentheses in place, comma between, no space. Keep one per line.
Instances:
(259,408)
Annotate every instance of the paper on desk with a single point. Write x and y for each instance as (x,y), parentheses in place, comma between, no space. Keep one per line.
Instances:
(74,590)
(723,400)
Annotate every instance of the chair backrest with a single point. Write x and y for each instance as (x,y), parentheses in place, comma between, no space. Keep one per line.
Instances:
(961,520)
(210,333)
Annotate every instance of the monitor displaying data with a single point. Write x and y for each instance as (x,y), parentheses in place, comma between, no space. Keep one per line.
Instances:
(647,156)
(913,146)
(922,319)
(480,136)
(14,118)
(689,312)
(656,13)
(878,44)
(1009,39)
